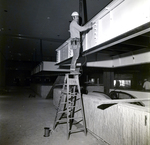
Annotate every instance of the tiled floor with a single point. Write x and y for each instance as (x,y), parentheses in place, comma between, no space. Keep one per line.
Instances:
(22,122)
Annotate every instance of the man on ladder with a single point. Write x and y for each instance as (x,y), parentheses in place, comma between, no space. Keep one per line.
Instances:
(71,95)
(75,30)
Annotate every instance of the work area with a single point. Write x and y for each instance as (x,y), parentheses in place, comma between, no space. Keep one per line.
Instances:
(75,72)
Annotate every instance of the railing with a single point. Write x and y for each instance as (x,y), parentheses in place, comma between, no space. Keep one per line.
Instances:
(64,51)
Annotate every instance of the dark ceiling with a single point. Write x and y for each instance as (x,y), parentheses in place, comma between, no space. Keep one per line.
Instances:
(33,30)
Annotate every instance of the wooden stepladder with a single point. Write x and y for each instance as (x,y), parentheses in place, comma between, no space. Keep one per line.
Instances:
(70,107)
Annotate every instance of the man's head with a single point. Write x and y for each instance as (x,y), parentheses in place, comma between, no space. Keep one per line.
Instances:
(75,16)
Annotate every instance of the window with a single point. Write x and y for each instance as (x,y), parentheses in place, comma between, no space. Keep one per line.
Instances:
(122,83)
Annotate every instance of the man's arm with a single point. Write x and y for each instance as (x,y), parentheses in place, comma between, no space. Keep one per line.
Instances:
(82,28)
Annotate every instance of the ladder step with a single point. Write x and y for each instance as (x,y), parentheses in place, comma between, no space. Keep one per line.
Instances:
(61,121)
(65,111)
(64,92)
(76,118)
(75,94)
(70,93)
(76,130)
(73,97)
(71,106)
(63,103)
(62,111)
(72,83)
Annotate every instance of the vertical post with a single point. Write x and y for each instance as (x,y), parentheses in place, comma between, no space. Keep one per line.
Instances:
(82,10)
(82,5)
(85,11)
(41,51)
(3,62)
(108,78)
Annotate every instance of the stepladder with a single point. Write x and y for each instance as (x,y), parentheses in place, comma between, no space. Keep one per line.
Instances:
(70,108)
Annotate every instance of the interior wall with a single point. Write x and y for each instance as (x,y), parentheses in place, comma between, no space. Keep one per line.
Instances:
(2,64)
(17,78)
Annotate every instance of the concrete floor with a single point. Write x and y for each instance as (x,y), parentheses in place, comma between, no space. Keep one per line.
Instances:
(22,122)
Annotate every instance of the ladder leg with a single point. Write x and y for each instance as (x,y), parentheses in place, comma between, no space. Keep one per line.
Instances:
(55,123)
(82,111)
(81,105)
(59,103)
(68,110)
